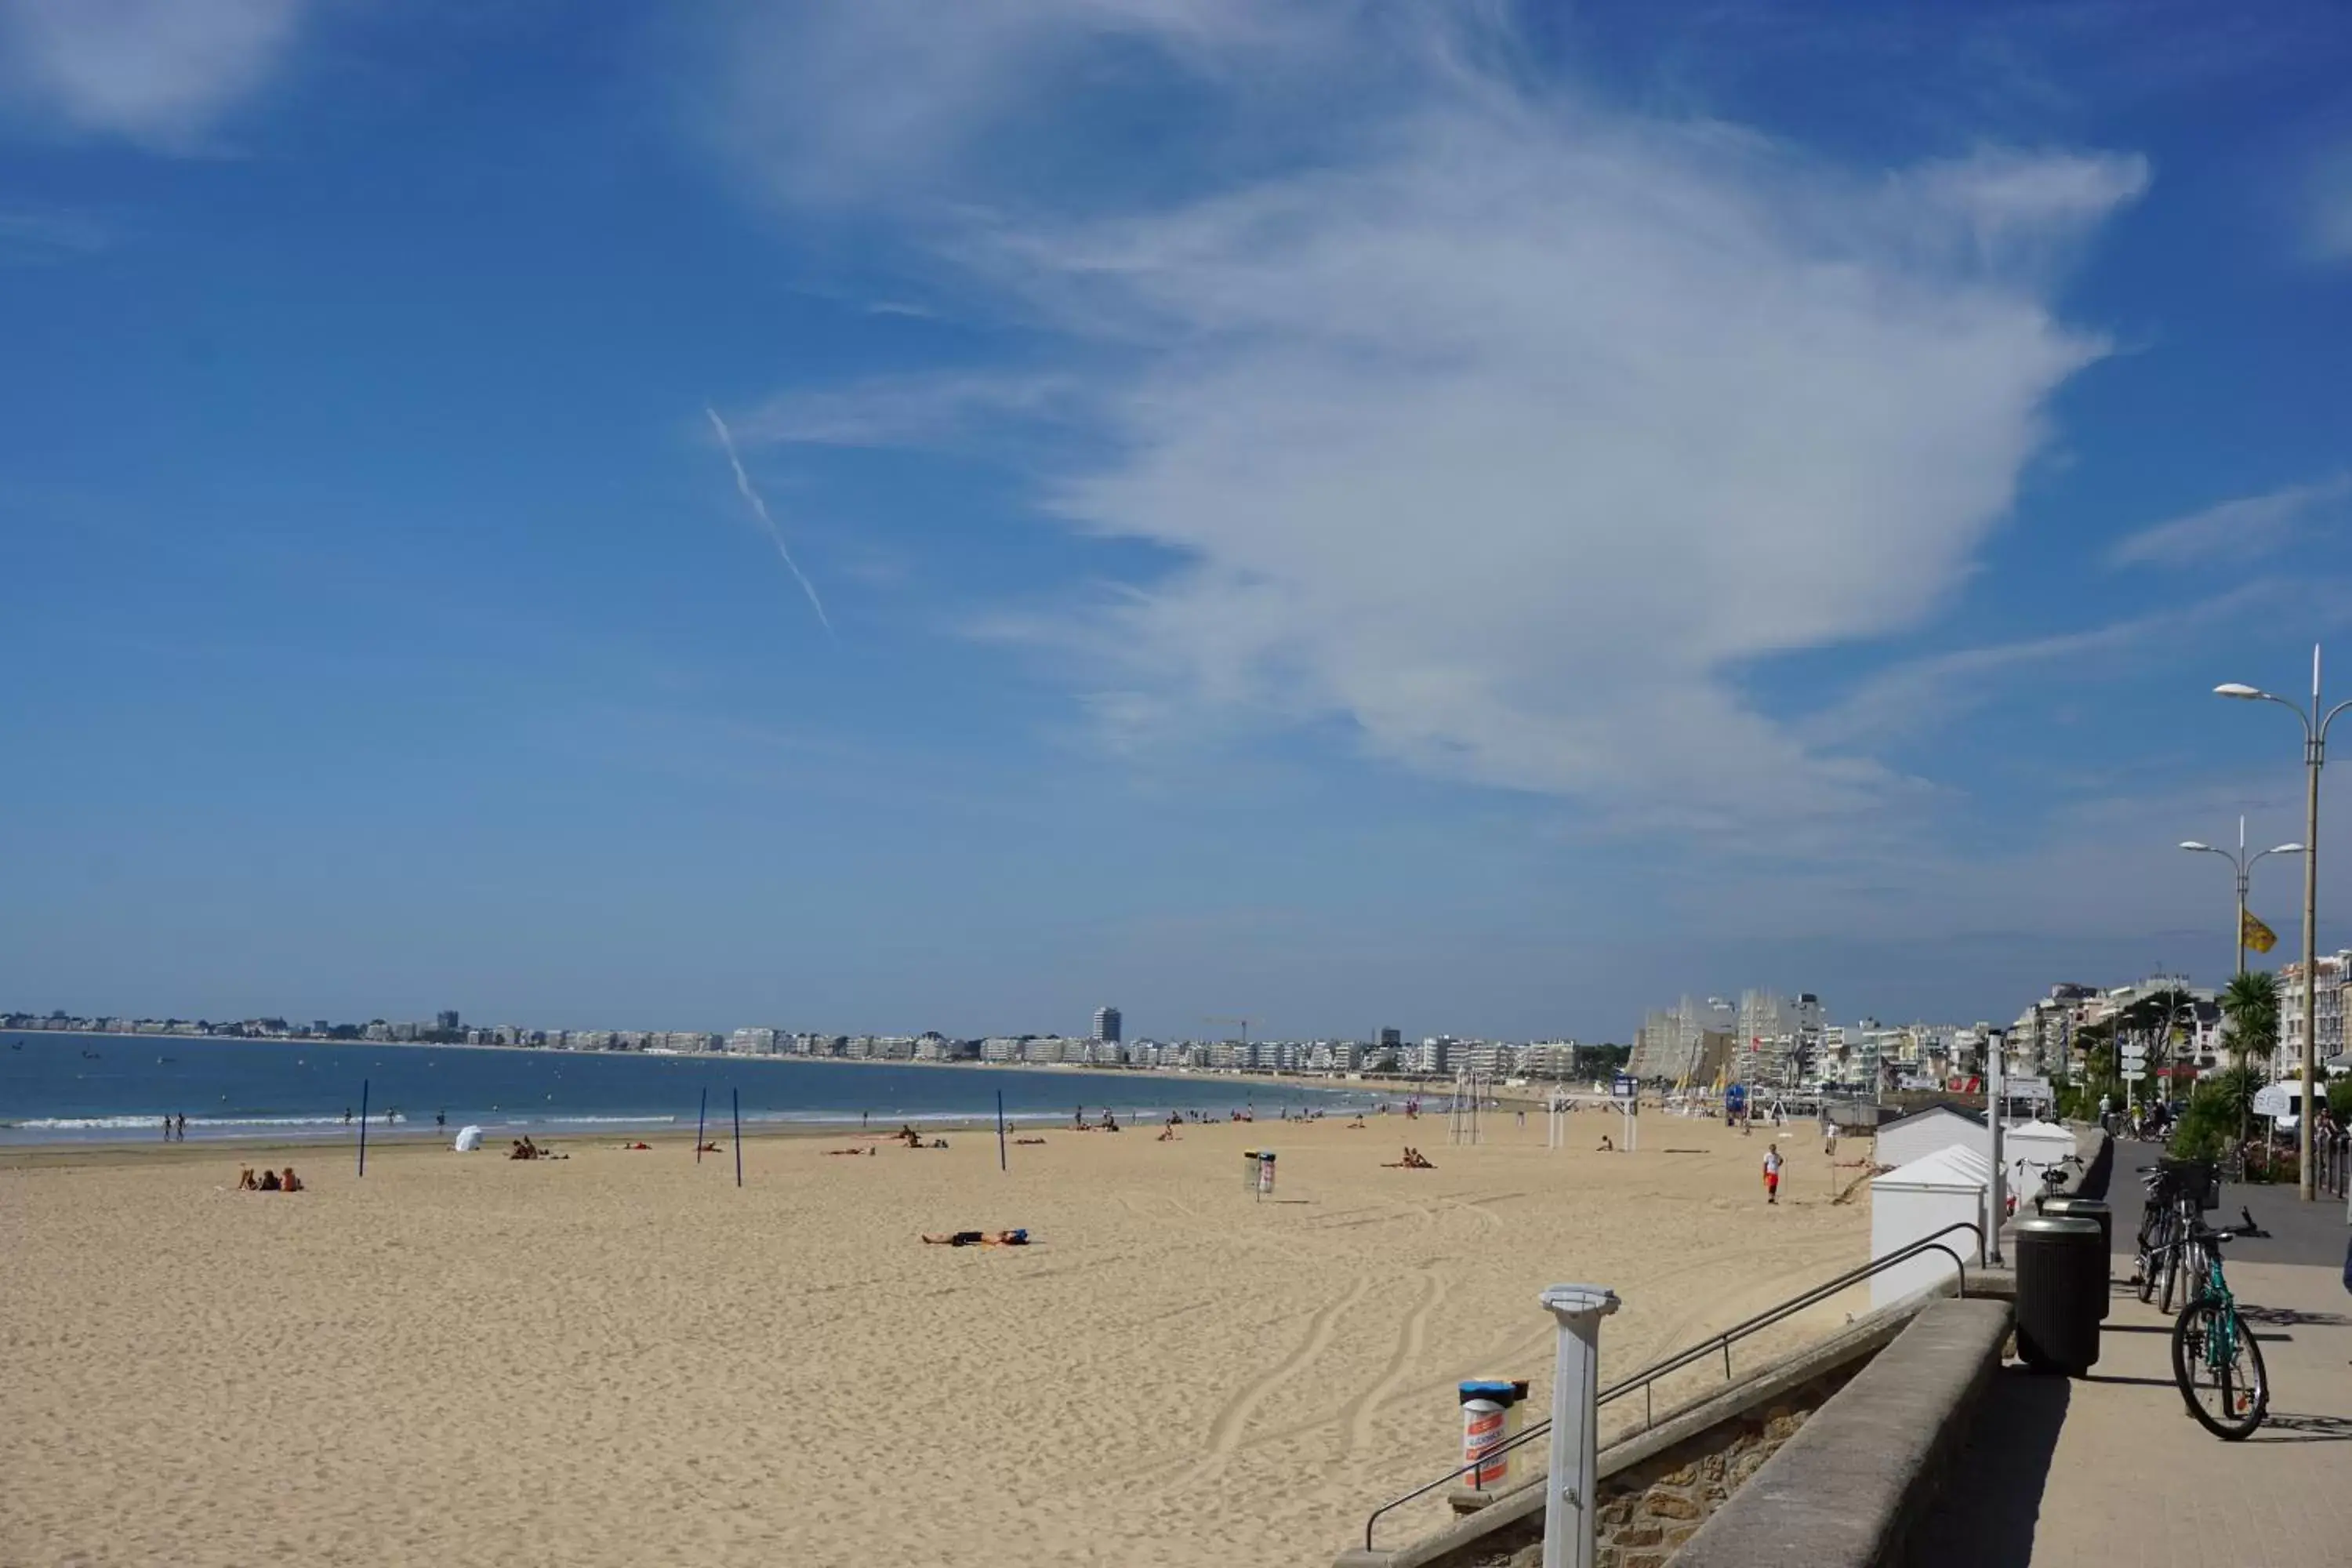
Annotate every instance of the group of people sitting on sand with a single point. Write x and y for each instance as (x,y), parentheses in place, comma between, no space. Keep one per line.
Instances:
(270,1182)
(1413,1161)
(979,1239)
(1078,1122)
(524,1149)
(914,1139)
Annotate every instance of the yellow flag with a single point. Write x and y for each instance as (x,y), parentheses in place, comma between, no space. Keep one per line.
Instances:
(2258,936)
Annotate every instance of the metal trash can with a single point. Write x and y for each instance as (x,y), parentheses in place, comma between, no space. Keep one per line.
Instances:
(2061,1282)
(2092,1208)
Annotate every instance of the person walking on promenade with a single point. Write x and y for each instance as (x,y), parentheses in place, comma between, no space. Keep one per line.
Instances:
(1772,1174)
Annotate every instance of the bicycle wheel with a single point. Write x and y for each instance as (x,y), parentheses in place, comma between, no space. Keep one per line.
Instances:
(2151,1253)
(2176,1269)
(2219,1370)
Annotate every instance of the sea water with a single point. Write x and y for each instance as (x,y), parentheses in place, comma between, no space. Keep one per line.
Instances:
(57,1086)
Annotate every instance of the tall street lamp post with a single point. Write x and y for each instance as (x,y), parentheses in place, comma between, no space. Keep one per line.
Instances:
(2315,757)
(2244,868)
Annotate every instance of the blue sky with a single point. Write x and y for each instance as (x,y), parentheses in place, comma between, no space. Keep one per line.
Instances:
(1472,517)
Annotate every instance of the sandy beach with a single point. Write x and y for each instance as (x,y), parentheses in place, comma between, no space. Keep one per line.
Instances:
(619,1358)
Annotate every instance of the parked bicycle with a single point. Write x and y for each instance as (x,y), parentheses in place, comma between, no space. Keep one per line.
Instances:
(2215,1358)
(2178,1192)
(2053,1177)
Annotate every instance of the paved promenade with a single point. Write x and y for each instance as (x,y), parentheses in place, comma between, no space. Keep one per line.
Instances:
(2112,1469)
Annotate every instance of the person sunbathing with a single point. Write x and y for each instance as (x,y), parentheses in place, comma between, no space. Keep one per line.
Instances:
(289,1182)
(831,1151)
(979,1239)
(636,1145)
(705,1148)
(1019,1141)
(246,1182)
(1412,1161)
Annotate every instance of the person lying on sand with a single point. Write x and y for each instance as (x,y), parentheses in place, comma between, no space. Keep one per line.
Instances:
(1356,1123)
(979,1239)
(867,1150)
(246,1182)
(290,1182)
(705,1148)
(1021,1141)
(636,1145)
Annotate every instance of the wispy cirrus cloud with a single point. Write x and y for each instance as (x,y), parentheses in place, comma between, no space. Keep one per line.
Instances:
(922,409)
(2327,207)
(2244,528)
(1504,429)
(162,73)
(35,234)
(1919,695)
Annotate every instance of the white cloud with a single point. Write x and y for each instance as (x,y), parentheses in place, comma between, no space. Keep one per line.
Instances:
(159,72)
(1512,433)
(2241,530)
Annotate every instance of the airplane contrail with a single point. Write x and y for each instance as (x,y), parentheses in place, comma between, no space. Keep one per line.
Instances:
(743,483)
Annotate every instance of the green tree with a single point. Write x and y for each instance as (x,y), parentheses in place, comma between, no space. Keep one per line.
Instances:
(2251,1004)
(2221,1102)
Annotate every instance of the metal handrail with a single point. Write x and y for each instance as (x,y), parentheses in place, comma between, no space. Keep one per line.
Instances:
(1649,1376)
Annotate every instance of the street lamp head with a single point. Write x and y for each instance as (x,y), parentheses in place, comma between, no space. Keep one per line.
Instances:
(2192,843)
(2234,688)
(2285,849)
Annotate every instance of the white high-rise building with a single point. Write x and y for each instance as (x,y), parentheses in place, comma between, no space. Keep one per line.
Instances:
(1108,1024)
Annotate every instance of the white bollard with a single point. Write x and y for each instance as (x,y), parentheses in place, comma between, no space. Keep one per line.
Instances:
(1569,1509)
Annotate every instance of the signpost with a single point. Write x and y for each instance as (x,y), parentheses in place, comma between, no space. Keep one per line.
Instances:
(1626,1090)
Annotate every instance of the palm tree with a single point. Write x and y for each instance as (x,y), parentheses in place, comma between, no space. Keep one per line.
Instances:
(2251,1004)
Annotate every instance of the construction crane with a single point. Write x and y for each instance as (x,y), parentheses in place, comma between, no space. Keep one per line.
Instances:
(1243,1022)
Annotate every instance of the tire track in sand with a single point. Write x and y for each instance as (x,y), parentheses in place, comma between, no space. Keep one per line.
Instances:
(1358,1412)
(1226,1432)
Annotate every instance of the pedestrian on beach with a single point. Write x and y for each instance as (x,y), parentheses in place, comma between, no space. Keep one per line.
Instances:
(167,1129)
(347,1116)
(1772,1174)
(183,1127)
(440,1118)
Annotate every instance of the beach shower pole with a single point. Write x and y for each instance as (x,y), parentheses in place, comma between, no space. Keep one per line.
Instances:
(701,1114)
(1569,1507)
(736,1095)
(1001,1162)
(363,1094)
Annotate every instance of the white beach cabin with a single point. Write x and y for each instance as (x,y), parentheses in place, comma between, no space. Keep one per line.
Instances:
(1913,1202)
(1920,1134)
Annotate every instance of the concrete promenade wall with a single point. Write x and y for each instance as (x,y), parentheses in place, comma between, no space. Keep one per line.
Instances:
(1849,1489)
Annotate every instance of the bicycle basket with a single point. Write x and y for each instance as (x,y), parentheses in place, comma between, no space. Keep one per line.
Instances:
(2198,1179)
